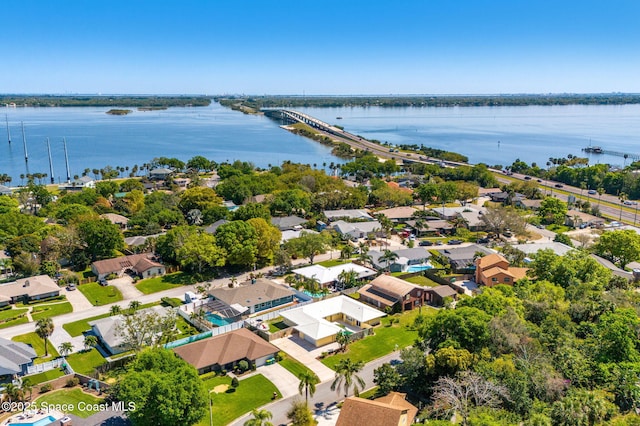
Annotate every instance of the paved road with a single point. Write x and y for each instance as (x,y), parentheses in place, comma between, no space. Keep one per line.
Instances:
(323,398)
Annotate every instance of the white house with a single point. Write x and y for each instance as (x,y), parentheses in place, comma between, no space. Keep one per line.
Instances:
(329,275)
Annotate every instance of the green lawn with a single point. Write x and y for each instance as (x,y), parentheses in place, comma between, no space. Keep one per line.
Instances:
(166,282)
(383,342)
(86,361)
(47,311)
(45,376)
(333,262)
(559,228)
(294,366)
(38,345)
(11,317)
(423,281)
(76,328)
(72,397)
(100,295)
(185,328)
(276,325)
(253,392)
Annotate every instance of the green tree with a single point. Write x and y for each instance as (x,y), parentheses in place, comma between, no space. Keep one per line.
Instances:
(347,376)
(621,247)
(200,164)
(387,378)
(199,197)
(307,245)
(90,341)
(168,245)
(387,257)
(268,239)
(200,252)
(100,237)
(582,407)
(307,385)
(65,348)
(290,201)
(464,327)
(165,389)
(553,210)
(44,330)
(240,240)
(252,210)
(260,418)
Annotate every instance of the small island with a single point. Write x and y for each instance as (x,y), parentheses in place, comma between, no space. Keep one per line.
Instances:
(152,108)
(114,111)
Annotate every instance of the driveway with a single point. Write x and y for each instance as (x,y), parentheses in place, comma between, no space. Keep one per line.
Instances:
(126,287)
(77,300)
(302,351)
(284,380)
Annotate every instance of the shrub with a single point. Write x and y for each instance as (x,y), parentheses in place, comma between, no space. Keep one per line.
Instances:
(235,383)
(243,365)
(73,381)
(45,388)
(111,276)
(280,356)
(253,366)
(223,372)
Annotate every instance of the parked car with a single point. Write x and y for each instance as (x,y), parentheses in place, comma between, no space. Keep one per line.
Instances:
(438,243)
(454,242)
(484,240)
(71,287)
(102,281)
(425,243)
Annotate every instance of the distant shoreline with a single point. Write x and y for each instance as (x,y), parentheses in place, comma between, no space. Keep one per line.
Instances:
(119,111)
(152,102)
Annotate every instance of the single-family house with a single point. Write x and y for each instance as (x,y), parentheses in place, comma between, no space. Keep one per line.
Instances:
(398,214)
(78,184)
(431,226)
(28,289)
(462,259)
(117,219)
(528,204)
(390,410)
(436,295)
(333,215)
(406,258)
(506,197)
(288,223)
(224,351)
(5,190)
(108,330)
(320,322)
(357,230)
(139,240)
(182,182)
(327,276)
(530,249)
(160,173)
(390,292)
(15,357)
(255,295)
(494,269)
(576,218)
(213,228)
(142,265)
(291,234)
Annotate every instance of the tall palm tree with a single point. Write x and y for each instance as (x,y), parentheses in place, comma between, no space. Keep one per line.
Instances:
(65,348)
(346,252)
(115,310)
(387,257)
(623,197)
(44,329)
(90,341)
(347,377)
(600,191)
(27,387)
(134,305)
(260,418)
(307,386)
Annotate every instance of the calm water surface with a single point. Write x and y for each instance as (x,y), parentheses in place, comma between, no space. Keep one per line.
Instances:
(494,135)
(95,139)
(499,135)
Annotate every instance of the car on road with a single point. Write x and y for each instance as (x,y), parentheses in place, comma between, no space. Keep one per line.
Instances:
(559,185)
(592,192)
(425,243)
(539,180)
(527,178)
(454,242)
(630,203)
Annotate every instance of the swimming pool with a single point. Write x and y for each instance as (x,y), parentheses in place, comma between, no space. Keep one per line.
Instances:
(314,295)
(216,319)
(41,422)
(418,268)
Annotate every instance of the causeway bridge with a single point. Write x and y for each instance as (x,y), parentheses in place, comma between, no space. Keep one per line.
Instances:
(290,116)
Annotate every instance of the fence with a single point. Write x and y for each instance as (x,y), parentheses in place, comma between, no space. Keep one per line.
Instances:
(45,366)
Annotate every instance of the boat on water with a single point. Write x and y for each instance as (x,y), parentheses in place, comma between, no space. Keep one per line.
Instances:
(338,118)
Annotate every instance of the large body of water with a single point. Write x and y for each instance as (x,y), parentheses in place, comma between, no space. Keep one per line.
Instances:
(95,139)
(499,135)
(493,135)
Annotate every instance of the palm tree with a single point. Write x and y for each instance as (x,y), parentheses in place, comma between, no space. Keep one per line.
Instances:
(44,329)
(26,387)
(343,340)
(348,278)
(347,378)
(623,197)
(115,310)
(134,305)
(65,348)
(600,192)
(260,418)
(307,386)
(90,341)
(13,392)
(346,252)
(387,257)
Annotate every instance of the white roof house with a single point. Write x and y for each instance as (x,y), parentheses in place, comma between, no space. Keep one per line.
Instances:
(347,214)
(310,320)
(532,248)
(327,275)
(357,229)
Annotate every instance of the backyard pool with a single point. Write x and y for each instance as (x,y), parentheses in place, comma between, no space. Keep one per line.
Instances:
(419,268)
(314,295)
(216,319)
(40,422)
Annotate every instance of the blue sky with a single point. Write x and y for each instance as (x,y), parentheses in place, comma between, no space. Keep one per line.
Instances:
(319,47)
